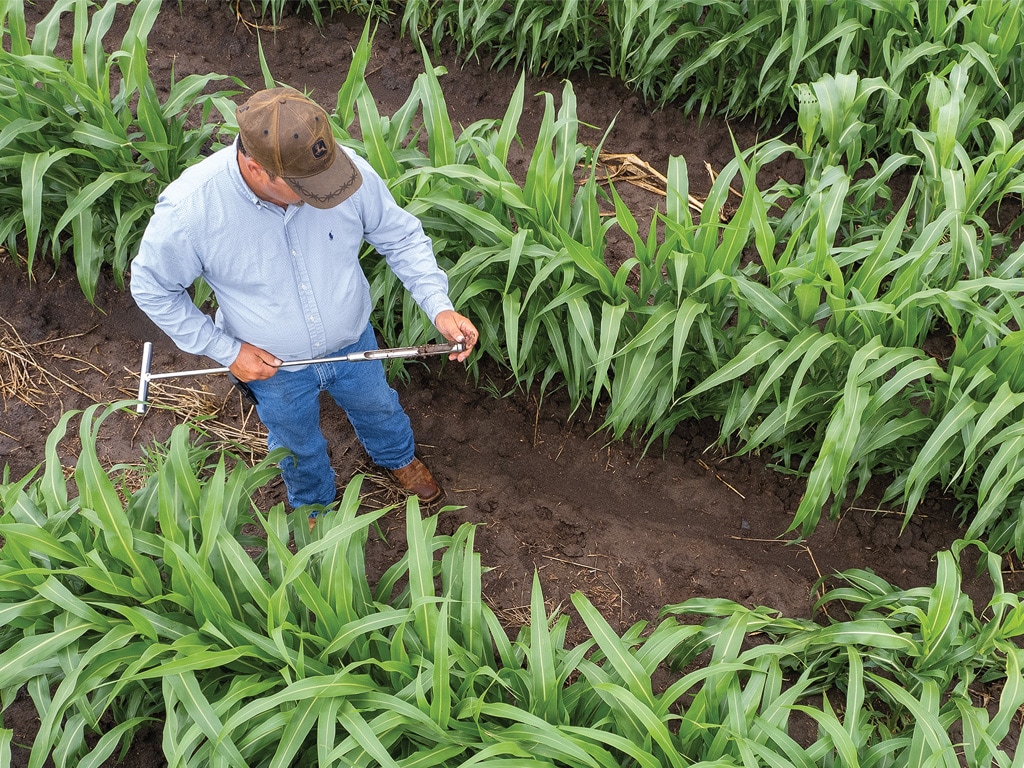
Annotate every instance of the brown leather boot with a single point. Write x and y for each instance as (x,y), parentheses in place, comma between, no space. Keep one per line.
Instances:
(416,479)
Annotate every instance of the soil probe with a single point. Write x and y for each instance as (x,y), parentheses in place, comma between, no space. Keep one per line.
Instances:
(422,350)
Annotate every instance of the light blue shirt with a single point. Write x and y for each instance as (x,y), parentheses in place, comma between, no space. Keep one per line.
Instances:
(287,280)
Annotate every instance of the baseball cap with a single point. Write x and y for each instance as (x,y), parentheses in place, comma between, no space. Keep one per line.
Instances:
(291,137)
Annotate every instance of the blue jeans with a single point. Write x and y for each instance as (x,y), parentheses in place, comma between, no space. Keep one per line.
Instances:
(289,406)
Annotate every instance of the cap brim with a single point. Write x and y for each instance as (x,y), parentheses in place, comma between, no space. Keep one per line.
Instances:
(331,187)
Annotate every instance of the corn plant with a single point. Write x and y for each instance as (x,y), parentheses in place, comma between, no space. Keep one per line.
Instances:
(468,201)
(147,605)
(843,280)
(736,58)
(541,37)
(896,673)
(319,10)
(128,607)
(82,164)
(845,294)
(896,284)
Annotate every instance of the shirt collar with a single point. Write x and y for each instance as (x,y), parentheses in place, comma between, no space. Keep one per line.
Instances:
(246,191)
(236,177)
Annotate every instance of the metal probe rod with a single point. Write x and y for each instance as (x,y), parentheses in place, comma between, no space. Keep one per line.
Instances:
(422,350)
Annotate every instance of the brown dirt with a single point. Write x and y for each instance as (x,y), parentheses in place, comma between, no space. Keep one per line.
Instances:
(634,533)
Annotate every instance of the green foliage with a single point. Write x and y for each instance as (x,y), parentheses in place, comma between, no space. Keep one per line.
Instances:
(319,10)
(798,323)
(125,607)
(744,58)
(893,673)
(81,164)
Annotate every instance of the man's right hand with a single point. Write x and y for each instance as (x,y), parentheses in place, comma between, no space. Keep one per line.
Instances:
(253,364)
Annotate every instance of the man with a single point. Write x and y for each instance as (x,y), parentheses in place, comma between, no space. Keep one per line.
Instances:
(274,224)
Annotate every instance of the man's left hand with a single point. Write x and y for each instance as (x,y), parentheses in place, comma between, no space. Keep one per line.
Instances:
(457,328)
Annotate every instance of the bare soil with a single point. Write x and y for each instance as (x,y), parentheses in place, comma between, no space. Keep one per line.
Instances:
(547,492)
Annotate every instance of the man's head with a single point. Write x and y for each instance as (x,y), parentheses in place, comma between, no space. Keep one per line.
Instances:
(290,136)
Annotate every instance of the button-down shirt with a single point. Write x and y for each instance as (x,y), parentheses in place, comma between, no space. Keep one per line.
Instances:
(287,280)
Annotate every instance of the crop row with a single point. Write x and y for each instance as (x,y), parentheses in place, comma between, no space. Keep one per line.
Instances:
(122,610)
